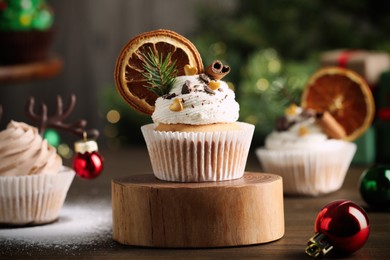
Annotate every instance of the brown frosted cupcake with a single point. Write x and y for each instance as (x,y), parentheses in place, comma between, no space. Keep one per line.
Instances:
(33,181)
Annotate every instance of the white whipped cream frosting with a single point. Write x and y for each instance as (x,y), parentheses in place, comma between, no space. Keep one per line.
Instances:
(293,139)
(200,107)
(24,152)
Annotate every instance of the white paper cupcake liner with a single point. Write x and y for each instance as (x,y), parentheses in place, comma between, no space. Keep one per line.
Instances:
(198,156)
(310,172)
(33,199)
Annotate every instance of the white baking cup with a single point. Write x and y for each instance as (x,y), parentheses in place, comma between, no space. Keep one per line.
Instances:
(310,172)
(33,199)
(198,156)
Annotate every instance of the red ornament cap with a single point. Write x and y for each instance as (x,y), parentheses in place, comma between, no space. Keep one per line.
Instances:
(84,146)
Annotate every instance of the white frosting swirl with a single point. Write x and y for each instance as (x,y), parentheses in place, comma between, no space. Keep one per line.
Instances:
(24,152)
(303,134)
(200,106)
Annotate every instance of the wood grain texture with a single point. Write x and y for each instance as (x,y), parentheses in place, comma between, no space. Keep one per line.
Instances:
(150,212)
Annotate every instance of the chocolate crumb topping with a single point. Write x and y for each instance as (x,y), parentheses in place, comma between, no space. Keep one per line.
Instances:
(186,87)
(308,113)
(185,90)
(282,124)
(319,115)
(169,96)
(209,90)
(203,77)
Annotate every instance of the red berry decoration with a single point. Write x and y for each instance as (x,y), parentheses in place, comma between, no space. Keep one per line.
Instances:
(342,226)
(87,163)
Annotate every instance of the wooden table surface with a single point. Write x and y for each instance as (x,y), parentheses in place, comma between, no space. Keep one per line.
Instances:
(84,226)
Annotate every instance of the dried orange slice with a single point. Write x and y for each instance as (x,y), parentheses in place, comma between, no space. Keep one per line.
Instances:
(129,80)
(345,95)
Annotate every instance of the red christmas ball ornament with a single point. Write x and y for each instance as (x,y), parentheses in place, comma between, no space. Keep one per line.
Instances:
(87,163)
(342,226)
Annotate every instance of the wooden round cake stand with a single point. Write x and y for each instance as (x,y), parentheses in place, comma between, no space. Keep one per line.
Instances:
(154,213)
(16,73)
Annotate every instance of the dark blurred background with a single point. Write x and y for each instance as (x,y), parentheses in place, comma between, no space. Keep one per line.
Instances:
(89,35)
(268,44)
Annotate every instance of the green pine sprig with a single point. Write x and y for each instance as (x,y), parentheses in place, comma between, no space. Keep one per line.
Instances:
(160,73)
(286,94)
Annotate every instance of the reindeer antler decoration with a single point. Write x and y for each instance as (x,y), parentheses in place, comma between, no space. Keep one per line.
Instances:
(56,120)
(87,163)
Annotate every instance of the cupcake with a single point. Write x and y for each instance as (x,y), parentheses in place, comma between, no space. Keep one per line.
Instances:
(311,147)
(307,151)
(195,136)
(26,31)
(33,182)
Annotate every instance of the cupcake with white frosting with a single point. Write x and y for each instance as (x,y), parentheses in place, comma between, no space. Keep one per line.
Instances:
(33,181)
(195,136)
(307,151)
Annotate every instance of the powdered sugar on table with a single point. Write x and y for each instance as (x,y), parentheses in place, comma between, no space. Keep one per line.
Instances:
(79,225)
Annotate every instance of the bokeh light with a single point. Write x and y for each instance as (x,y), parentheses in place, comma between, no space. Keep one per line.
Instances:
(52,137)
(113,116)
(111,131)
(274,66)
(262,84)
(64,151)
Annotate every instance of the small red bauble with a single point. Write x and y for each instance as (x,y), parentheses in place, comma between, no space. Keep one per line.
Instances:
(340,225)
(87,163)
